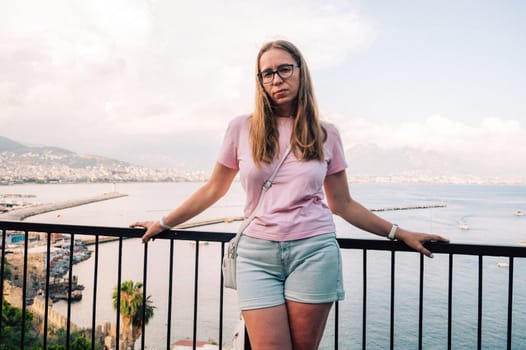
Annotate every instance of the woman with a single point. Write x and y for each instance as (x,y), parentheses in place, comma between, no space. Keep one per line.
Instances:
(288,266)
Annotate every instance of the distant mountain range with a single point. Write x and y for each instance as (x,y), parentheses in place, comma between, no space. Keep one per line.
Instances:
(48,155)
(24,164)
(417,165)
(367,163)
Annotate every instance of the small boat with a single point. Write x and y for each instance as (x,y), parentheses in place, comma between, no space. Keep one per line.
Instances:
(518,212)
(463,226)
(503,264)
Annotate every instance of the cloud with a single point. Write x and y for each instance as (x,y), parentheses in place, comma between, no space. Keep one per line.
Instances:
(494,143)
(126,68)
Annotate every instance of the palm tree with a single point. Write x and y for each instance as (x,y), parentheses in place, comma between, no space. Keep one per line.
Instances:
(131,310)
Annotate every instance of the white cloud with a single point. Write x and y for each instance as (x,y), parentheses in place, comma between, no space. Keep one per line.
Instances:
(125,67)
(108,74)
(493,139)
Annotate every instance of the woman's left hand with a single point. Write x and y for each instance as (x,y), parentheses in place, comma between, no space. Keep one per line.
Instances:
(153,228)
(415,240)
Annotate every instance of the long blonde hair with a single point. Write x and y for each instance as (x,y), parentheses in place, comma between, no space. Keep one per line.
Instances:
(307,136)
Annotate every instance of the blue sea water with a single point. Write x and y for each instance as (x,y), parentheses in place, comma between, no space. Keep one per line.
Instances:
(487,209)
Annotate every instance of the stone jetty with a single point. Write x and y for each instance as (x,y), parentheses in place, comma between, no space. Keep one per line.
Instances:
(31,210)
(411,207)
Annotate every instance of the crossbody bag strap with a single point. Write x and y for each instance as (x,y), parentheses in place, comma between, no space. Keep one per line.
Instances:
(266,186)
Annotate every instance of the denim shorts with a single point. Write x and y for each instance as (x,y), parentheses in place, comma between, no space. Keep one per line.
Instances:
(306,270)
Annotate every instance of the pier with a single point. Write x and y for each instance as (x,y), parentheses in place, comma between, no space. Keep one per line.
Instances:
(422,206)
(20,214)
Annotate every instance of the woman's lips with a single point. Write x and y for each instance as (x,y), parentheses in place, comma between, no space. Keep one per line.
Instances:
(280,93)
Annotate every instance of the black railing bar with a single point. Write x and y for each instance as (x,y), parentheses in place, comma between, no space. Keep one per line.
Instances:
(78,229)
(221,298)
(196,294)
(510,305)
(246,341)
(345,243)
(435,247)
(364,302)
(449,301)
(70,280)
(95,279)
(336,323)
(392,306)
(170,291)
(119,280)
(421,302)
(2,266)
(144,293)
(479,317)
(124,232)
(24,292)
(46,289)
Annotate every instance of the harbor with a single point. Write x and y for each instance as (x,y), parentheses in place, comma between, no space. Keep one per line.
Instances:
(59,260)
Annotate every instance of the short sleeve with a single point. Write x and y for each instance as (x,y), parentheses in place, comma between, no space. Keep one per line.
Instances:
(228,153)
(337,160)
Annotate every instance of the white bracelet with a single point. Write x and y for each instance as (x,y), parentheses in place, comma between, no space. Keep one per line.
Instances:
(392,233)
(163,225)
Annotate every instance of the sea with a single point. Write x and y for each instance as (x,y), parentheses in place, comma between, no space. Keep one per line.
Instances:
(475,214)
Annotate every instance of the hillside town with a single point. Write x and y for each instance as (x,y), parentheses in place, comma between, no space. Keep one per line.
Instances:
(54,167)
(42,165)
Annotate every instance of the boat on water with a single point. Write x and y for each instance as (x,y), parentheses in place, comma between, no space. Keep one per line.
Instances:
(463,226)
(518,212)
(503,264)
(76,295)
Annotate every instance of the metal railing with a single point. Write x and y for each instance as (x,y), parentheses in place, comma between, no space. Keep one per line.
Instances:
(512,253)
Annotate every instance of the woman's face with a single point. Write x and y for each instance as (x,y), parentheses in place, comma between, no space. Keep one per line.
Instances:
(282,90)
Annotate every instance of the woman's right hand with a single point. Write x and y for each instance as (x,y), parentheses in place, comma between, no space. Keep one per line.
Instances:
(153,228)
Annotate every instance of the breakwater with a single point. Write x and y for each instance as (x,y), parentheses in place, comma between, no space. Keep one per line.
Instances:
(31,210)
(409,207)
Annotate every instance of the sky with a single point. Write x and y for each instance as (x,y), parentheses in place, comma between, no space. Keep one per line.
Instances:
(155,82)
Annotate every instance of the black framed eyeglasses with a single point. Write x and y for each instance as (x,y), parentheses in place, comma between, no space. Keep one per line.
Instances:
(284,71)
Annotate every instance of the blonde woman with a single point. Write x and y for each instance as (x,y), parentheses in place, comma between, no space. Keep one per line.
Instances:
(289,265)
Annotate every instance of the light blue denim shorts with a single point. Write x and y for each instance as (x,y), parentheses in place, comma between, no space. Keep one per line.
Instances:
(306,270)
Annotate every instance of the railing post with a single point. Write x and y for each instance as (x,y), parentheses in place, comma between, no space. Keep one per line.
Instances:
(247,345)
(510,305)
(392,306)
(95,278)
(4,233)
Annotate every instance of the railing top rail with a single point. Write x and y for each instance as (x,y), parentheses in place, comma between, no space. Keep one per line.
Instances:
(198,235)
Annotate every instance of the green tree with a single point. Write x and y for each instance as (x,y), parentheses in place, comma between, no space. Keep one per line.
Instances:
(78,340)
(131,310)
(11,332)
(7,270)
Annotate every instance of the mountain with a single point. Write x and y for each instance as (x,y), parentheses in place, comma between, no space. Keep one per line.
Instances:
(8,145)
(371,160)
(413,164)
(20,163)
(49,155)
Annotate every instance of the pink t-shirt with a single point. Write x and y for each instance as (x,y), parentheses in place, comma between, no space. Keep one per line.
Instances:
(293,207)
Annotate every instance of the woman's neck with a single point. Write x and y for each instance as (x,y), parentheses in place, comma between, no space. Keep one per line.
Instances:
(284,112)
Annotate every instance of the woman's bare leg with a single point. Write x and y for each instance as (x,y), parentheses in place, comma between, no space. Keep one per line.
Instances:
(307,323)
(293,326)
(268,328)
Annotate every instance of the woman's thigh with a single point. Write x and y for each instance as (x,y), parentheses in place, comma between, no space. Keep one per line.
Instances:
(307,324)
(268,328)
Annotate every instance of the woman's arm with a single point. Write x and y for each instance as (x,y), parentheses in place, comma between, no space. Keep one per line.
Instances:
(215,188)
(341,204)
